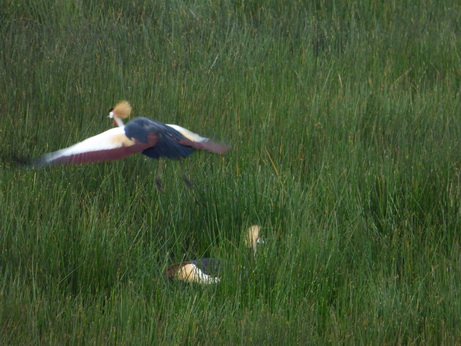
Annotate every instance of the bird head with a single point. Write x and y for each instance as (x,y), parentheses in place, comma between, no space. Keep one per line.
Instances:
(122,110)
(172,270)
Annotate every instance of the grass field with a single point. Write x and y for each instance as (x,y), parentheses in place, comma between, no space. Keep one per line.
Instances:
(344,121)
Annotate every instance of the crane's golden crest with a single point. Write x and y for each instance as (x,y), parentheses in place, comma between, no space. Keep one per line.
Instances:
(252,236)
(122,110)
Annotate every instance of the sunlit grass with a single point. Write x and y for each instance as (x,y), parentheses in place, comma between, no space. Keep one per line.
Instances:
(344,126)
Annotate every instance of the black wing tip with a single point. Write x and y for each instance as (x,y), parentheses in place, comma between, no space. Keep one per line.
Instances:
(17,160)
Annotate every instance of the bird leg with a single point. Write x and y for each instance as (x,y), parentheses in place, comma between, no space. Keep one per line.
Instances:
(186,179)
(158,180)
(188,182)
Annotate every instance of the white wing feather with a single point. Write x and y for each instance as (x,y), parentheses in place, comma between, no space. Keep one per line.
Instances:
(110,139)
(188,134)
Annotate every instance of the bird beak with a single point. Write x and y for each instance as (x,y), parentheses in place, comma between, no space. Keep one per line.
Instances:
(262,240)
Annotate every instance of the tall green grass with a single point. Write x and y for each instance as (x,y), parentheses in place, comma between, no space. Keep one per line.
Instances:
(344,123)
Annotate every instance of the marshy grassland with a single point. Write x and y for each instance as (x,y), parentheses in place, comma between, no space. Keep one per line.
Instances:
(344,122)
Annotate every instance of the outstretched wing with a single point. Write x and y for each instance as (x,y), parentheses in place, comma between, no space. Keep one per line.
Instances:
(173,141)
(193,140)
(110,145)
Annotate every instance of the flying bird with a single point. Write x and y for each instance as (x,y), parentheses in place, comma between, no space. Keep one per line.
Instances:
(141,135)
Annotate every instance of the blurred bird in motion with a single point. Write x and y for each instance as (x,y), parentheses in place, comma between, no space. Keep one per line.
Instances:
(141,135)
(208,270)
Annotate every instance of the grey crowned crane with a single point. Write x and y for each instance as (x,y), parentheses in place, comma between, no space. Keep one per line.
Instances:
(141,135)
(201,271)
(207,270)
